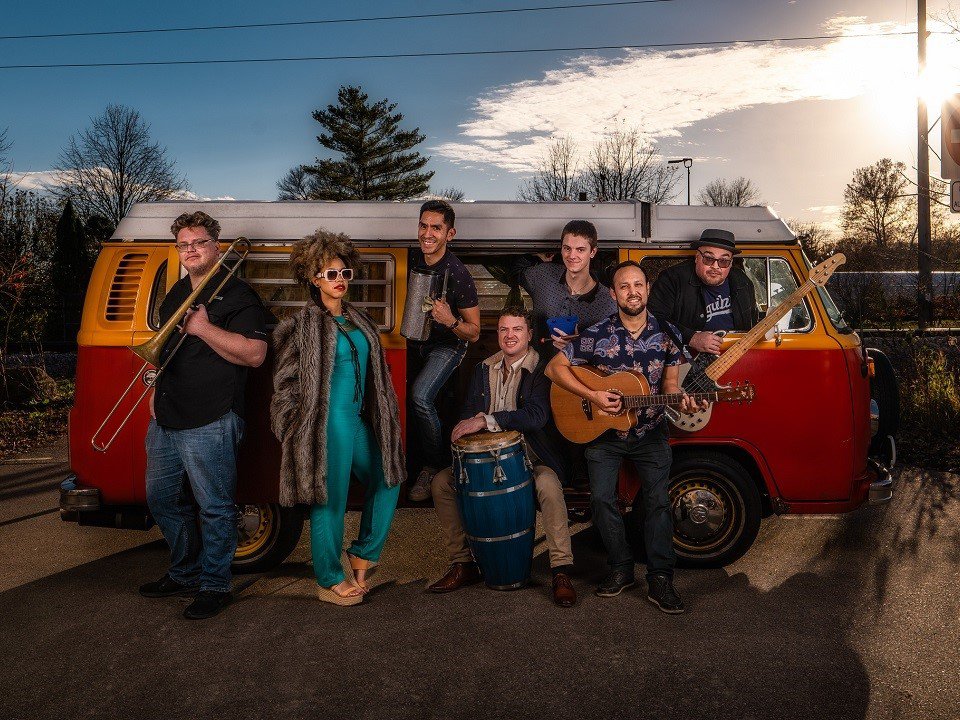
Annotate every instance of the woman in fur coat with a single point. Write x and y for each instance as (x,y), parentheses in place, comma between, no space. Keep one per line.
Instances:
(335,412)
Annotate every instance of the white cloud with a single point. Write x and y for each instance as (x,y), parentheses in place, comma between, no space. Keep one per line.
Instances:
(38,180)
(664,92)
(190,195)
(828,216)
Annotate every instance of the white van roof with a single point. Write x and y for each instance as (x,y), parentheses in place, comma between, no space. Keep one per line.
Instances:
(504,224)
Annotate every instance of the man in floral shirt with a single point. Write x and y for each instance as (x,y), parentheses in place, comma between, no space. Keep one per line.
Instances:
(632,339)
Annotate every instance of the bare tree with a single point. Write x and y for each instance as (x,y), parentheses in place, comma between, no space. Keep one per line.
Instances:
(739,192)
(874,203)
(814,238)
(625,165)
(557,176)
(451,194)
(5,183)
(113,164)
(297,184)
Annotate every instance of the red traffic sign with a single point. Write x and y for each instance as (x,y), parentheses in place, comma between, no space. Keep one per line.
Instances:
(950,139)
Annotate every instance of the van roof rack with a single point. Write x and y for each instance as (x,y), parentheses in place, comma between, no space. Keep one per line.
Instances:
(504,224)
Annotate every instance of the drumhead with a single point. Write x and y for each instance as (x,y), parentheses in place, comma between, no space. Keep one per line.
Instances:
(484,441)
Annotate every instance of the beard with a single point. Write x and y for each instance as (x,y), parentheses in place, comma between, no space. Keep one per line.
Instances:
(632,312)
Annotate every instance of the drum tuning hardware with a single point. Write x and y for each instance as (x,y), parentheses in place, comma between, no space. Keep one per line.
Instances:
(498,474)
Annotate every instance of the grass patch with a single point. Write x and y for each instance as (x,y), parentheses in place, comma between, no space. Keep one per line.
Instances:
(929,379)
(36,423)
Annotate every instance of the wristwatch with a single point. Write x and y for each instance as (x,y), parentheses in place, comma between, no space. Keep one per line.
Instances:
(455,323)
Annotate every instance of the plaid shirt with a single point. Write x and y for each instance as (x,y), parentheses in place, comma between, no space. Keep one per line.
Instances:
(609,346)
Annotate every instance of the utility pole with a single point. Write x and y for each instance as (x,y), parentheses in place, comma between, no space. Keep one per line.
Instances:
(925,276)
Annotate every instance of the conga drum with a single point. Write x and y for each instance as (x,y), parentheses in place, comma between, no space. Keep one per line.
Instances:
(494,482)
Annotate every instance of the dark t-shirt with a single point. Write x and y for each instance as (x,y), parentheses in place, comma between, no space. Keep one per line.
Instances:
(198,385)
(461,292)
(716,300)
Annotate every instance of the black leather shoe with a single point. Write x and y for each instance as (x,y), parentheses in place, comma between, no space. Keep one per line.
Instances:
(615,583)
(167,587)
(662,594)
(207,604)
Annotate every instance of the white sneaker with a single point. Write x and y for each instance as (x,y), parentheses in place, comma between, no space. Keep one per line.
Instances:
(420,490)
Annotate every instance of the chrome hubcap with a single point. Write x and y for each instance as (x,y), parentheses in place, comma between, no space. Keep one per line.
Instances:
(698,512)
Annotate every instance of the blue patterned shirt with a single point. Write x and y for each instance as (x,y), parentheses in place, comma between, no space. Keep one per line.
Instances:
(609,346)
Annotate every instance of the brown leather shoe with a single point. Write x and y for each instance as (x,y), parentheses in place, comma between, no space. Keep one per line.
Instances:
(563,593)
(459,575)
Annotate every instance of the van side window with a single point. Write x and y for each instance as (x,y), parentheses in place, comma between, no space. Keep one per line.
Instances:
(371,288)
(158,294)
(774,281)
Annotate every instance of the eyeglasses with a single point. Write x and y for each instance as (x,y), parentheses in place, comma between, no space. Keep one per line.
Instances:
(332,274)
(709,260)
(184,247)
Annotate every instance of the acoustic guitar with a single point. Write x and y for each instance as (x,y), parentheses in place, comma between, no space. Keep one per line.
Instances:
(581,421)
(704,371)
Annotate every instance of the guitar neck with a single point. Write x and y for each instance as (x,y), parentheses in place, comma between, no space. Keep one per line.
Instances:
(718,367)
(643,401)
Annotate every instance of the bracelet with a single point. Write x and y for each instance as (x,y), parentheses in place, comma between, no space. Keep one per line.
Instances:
(455,323)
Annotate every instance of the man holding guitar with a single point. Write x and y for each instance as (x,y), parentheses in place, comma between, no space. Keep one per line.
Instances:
(706,293)
(631,340)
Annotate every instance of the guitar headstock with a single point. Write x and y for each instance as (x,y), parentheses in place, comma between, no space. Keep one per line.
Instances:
(822,272)
(742,392)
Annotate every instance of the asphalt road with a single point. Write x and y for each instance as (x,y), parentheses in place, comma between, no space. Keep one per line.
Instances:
(833,617)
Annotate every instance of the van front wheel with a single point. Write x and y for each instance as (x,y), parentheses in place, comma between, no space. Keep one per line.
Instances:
(716,510)
(266,535)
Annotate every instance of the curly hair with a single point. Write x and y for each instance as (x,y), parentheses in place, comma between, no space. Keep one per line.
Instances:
(196,220)
(314,251)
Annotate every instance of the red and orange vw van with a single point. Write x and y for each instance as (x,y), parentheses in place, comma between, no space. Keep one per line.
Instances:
(811,441)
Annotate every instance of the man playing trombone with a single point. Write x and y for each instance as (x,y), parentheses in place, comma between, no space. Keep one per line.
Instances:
(197,423)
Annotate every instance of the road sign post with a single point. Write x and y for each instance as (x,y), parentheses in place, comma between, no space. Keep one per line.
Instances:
(955,196)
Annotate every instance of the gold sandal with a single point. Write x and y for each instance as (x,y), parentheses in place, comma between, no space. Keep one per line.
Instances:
(359,563)
(333,597)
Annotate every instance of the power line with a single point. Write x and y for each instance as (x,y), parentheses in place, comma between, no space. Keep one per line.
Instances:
(454,53)
(332,21)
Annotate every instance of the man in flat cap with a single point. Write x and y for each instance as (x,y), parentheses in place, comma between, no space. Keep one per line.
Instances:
(706,294)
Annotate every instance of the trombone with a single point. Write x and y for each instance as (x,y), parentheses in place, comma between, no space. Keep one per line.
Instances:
(151,349)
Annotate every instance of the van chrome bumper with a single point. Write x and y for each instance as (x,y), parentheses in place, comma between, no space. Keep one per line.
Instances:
(881,489)
(76,498)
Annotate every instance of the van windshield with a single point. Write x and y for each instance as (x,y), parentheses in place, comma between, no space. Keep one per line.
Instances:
(833,312)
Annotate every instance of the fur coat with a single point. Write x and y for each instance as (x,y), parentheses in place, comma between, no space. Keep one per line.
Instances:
(305,348)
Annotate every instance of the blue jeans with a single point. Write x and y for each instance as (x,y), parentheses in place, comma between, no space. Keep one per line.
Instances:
(439,363)
(206,458)
(652,456)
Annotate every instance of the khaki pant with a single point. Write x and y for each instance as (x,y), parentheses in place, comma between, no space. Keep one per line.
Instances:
(553,512)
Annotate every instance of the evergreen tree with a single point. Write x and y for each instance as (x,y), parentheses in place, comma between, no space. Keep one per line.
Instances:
(69,272)
(377,160)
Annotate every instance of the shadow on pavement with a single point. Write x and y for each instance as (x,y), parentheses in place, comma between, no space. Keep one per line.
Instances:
(83,643)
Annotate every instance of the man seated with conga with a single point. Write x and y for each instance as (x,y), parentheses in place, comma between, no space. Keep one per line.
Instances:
(509,391)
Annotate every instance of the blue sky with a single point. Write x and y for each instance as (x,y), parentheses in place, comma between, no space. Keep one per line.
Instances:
(796,117)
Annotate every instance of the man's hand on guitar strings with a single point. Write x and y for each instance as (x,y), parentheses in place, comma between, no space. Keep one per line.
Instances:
(689,406)
(609,402)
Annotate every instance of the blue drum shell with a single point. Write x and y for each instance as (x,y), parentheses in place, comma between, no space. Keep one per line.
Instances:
(499,517)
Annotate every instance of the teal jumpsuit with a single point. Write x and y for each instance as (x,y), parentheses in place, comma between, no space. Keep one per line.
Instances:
(351,448)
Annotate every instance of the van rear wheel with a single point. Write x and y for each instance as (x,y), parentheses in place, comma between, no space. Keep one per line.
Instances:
(267,534)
